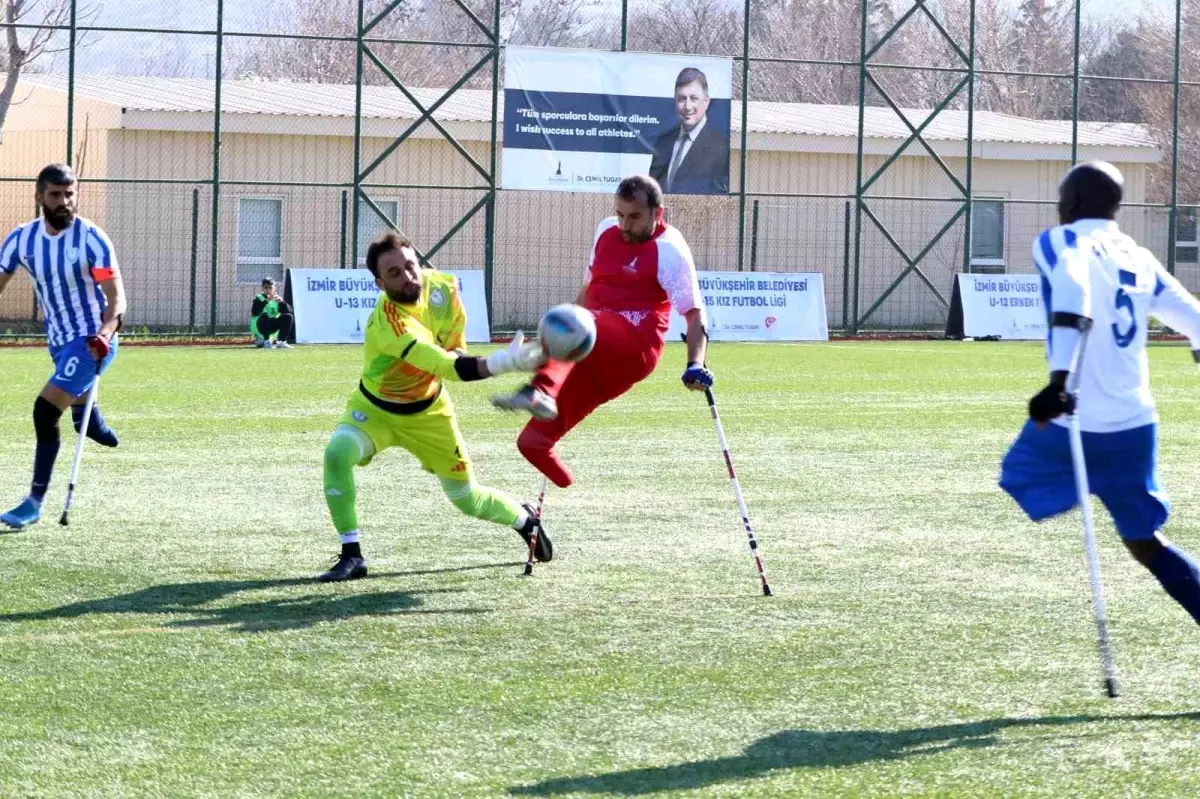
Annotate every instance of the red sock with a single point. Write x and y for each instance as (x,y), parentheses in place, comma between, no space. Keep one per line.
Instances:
(538,449)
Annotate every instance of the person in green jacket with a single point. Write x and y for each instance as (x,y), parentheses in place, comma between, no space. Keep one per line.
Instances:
(271,318)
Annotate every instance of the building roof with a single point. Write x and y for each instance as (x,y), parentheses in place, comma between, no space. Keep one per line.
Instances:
(948,125)
(272,98)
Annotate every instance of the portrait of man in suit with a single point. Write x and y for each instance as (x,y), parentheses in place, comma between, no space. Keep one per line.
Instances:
(693,156)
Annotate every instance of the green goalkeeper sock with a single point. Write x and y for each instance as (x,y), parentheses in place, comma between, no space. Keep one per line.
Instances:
(481,502)
(341,454)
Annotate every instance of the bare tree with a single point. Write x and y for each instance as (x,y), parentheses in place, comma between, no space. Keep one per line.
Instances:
(1124,55)
(1145,49)
(1154,44)
(543,23)
(305,60)
(1026,37)
(700,27)
(550,23)
(168,57)
(25,47)
(820,30)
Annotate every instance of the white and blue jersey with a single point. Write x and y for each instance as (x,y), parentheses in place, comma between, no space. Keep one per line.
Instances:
(1090,268)
(67,270)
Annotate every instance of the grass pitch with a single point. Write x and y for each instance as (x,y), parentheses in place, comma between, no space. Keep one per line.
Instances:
(925,639)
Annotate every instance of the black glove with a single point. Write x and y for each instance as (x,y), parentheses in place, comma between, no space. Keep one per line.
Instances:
(1051,402)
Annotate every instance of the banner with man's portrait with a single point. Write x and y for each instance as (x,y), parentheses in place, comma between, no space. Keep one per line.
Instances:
(581,120)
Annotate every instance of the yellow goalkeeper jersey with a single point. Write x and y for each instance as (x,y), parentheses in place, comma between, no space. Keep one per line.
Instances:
(406,347)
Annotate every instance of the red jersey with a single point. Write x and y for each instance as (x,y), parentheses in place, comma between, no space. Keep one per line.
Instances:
(641,282)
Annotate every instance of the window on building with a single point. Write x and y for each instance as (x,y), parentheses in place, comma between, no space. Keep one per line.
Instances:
(1187,248)
(259,239)
(370,225)
(987,235)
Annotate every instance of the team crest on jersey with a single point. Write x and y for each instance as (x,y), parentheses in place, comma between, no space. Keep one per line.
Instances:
(437,297)
(634,318)
(72,255)
(359,416)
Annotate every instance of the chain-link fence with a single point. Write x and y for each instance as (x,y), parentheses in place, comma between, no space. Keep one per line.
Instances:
(888,146)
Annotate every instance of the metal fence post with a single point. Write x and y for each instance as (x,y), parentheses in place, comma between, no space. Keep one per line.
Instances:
(216,171)
(917,136)
(754,237)
(358,87)
(342,232)
(969,223)
(71,48)
(745,125)
(1173,232)
(846,270)
(1074,80)
(858,160)
(489,217)
(195,256)
(624,25)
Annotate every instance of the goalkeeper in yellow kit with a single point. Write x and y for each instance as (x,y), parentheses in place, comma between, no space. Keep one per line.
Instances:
(413,342)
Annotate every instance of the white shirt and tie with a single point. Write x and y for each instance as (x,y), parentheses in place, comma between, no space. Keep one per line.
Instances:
(683,146)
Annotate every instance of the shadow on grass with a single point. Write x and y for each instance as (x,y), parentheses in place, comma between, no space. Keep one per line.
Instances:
(323,603)
(792,749)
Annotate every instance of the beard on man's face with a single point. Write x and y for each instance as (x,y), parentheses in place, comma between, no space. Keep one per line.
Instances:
(405,296)
(638,235)
(59,217)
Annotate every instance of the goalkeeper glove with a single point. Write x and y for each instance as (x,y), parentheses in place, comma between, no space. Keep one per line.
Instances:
(518,356)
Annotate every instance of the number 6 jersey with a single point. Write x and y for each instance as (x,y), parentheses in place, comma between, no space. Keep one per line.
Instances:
(1092,269)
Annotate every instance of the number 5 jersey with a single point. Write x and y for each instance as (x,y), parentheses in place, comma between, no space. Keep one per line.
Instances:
(1092,269)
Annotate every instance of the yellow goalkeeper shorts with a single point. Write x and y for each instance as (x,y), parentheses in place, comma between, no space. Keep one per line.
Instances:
(432,435)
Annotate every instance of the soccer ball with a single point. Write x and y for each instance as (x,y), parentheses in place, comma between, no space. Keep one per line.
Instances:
(567,332)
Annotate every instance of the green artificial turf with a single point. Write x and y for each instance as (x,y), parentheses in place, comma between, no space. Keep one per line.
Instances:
(924,638)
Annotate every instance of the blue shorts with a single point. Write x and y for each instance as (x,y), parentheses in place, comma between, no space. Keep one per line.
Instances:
(1038,473)
(75,368)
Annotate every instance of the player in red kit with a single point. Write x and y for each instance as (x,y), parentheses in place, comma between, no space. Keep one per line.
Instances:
(640,268)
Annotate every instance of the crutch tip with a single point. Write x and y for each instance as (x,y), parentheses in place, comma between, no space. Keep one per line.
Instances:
(767,590)
(1110,687)
(63,519)
(528,570)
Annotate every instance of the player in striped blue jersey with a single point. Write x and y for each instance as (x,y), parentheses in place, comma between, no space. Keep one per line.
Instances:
(78,285)
(1100,289)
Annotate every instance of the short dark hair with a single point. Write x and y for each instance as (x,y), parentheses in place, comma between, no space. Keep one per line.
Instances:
(268,281)
(1091,190)
(391,240)
(692,75)
(56,175)
(632,186)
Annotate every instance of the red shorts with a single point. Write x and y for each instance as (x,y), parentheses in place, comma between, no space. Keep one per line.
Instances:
(623,357)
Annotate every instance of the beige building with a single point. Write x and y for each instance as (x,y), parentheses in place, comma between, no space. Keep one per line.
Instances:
(148,144)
